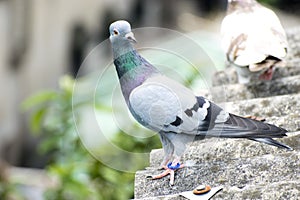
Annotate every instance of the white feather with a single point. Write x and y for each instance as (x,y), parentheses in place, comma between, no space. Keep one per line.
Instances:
(222,117)
(263,36)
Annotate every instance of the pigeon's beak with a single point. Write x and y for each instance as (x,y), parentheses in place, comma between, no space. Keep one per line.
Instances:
(130,37)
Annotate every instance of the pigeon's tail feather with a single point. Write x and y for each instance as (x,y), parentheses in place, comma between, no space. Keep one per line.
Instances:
(240,127)
(267,63)
(270,141)
(237,126)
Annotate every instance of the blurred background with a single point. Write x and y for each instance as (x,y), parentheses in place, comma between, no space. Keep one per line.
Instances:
(43,44)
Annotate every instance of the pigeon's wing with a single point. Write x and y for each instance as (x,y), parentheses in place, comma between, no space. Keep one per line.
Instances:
(251,37)
(162,104)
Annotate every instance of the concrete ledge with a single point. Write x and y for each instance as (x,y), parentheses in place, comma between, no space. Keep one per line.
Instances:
(218,149)
(229,75)
(241,166)
(284,190)
(259,89)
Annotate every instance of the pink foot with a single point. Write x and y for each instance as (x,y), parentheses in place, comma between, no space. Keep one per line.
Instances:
(267,75)
(168,170)
(255,118)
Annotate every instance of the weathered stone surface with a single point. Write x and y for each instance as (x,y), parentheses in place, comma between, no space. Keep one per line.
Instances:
(293,36)
(225,77)
(229,76)
(284,190)
(165,197)
(277,190)
(216,149)
(215,166)
(235,92)
(292,68)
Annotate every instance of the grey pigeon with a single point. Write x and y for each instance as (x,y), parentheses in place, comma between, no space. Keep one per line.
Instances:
(171,109)
(253,39)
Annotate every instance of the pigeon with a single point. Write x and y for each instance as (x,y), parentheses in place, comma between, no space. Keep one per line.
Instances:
(253,39)
(171,109)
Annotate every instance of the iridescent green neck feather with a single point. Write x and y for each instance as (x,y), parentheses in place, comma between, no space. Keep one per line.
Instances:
(132,71)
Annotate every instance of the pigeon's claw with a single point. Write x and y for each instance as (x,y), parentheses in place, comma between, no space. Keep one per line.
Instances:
(158,176)
(163,174)
(169,169)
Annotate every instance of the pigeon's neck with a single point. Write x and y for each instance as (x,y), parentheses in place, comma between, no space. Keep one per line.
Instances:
(121,48)
(127,62)
(132,71)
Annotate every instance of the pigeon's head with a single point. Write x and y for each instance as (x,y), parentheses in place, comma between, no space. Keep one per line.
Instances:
(120,31)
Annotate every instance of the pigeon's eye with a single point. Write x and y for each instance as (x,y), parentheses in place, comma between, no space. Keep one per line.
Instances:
(116,32)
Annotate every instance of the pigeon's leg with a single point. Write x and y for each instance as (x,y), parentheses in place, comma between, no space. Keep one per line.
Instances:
(168,150)
(168,154)
(169,170)
(267,75)
(174,146)
(173,166)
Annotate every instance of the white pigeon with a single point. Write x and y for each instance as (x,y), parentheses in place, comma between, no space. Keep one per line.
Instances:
(171,109)
(253,39)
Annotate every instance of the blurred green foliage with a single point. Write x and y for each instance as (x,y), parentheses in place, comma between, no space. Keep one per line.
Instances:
(79,175)
(8,191)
